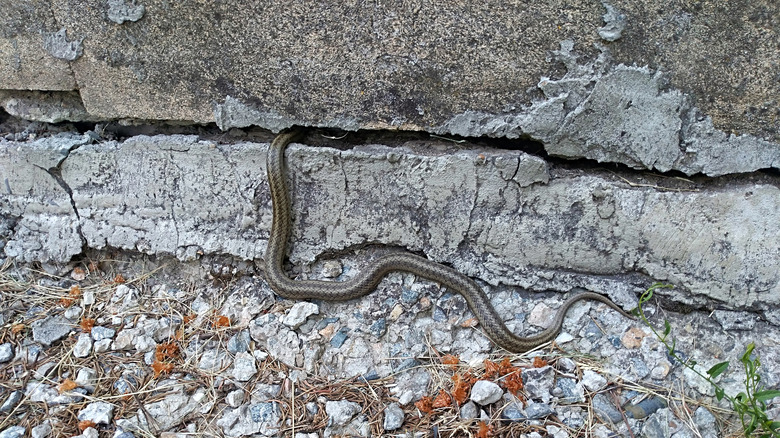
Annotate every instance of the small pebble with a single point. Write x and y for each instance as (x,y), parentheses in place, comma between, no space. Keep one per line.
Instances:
(394,417)
(485,392)
(6,352)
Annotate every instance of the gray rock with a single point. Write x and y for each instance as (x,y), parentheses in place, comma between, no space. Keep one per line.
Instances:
(280,342)
(144,343)
(411,385)
(469,411)
(42,430)
(264,392)
(298,313)
(97,412)
(235,398)
(730,320)
(89,432)
(6,352)
(44,371)
(645,407)
(51,329)
(615,23)
(267,412)
(605,409)
(244,367)
(593,381)
(213,360)
(661,424)
(341,412)
(171,410)
(120,11)
(539,382)
(239,343)
(514,410)
(262,418)
(394,417)
(83,346)
(556,432)
(101,346)
(73,313)
(571,391)
(124,339)
(87,378)
(99,333)
(571,416)
(13,399)
(706,423)
(29,353)
(379,327)
(332,269)
(485,392)
(41,392)
(567,365)
(339,338)
(13,432)
(58,46)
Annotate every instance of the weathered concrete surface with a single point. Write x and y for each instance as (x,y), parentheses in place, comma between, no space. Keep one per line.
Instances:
(31,51)
(501,216)
(48,107)
(570,74)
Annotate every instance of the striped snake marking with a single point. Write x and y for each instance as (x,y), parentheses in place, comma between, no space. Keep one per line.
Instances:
(366,281)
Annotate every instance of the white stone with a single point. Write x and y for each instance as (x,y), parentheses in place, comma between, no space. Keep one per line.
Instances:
(298,313)
(42,430)
(235,398)
(6,352)
(13,432)
(101,346)
(244,367)
(394,417)
(593,381)
(97,412)
(83,345)
(485,392)
(341,412)
(86,377)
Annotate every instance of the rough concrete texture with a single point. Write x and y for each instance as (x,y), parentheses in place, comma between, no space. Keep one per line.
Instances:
(30,50)
(500,216)
(448,67)
(49,107)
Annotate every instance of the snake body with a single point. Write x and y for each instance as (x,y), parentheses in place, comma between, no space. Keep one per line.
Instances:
(367,280)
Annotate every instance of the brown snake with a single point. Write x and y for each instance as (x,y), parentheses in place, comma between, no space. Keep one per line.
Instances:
(367,280)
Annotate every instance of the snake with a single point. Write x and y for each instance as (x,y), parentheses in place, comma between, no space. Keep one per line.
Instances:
(364,282)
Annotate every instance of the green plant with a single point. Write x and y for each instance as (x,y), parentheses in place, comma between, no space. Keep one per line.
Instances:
(750,404)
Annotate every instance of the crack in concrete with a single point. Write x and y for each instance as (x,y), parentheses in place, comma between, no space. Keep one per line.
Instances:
(56,173)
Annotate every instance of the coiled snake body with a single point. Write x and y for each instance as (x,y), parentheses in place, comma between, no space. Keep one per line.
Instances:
(367,280)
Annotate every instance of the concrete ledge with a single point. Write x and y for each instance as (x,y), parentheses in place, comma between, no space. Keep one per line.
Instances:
(501,216)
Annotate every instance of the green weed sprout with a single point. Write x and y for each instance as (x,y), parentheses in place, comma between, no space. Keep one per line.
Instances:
(750,404)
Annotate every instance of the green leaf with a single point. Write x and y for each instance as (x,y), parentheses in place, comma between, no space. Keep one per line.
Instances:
(766,395)
(719,393)
(748,351)
(718,369)
(667,328)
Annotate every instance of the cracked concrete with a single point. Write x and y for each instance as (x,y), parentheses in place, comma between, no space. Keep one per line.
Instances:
(529,225)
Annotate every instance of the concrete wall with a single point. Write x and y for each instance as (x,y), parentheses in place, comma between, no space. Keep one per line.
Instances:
(689,90)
